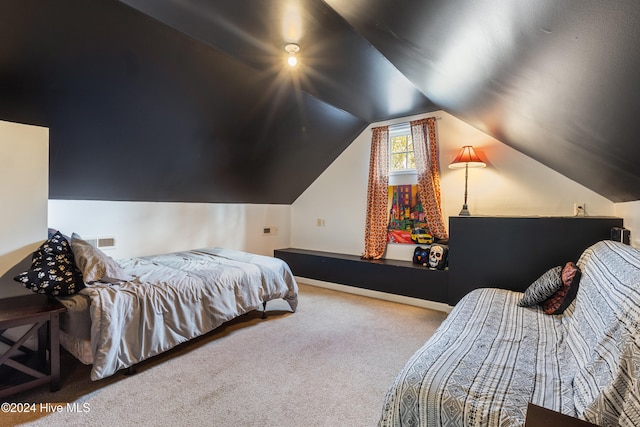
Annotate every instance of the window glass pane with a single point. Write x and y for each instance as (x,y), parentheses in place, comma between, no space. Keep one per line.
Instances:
(411,161)
(398,144)
(398,161)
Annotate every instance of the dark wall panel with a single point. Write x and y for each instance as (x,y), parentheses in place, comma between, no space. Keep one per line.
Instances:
(512,252)
(138,110)
(556,80)
(189,100)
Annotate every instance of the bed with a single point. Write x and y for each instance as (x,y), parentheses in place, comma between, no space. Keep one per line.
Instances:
(570,344)
(127,311)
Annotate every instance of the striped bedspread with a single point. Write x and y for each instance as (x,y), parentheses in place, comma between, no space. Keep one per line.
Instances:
(485,362)
(603,336)
(491,357)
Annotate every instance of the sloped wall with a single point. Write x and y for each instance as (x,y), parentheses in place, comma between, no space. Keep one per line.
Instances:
(511,184)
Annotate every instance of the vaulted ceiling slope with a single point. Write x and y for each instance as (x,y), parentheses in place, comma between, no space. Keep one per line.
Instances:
(189,100)
(556,80)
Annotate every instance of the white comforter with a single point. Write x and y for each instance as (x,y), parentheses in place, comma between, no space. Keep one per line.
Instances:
(177,297)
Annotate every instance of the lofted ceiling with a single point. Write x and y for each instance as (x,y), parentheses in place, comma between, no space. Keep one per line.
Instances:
(190,100)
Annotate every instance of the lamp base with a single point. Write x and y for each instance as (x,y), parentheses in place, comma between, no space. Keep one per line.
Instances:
(465,211)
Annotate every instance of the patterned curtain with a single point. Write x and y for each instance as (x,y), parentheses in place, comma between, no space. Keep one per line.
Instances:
(425,147)
(377,195)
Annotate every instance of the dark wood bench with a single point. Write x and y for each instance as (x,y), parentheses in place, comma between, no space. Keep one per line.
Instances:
(390,276)
(500,252)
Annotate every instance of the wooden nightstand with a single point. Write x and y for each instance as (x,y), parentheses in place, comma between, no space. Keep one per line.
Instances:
(543,417)
(20,367)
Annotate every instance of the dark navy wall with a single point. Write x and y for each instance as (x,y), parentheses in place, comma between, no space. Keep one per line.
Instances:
(138,110)
(183,100)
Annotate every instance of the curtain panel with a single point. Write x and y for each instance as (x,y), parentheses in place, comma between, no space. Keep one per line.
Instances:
(377,218)
(425,146)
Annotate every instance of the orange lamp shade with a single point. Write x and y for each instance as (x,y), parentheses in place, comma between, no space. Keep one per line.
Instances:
(467,157)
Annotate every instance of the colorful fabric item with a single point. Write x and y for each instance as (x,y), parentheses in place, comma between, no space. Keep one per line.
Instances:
(377,218)
(559,301)
(438,255)
(425,147)
(421,256)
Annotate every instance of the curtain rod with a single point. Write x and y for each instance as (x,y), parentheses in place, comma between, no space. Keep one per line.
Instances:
(407,122)
(402,124)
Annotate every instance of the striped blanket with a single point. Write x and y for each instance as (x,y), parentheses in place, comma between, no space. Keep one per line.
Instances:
(491,357)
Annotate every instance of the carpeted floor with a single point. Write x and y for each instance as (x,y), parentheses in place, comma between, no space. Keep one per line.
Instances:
(328,364)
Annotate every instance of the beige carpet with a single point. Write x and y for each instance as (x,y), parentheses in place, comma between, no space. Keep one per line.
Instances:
(328,364)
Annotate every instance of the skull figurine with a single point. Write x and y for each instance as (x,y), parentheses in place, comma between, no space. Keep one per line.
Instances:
(437,257)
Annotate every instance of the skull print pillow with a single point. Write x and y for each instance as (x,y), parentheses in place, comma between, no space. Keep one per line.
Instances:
(438,256)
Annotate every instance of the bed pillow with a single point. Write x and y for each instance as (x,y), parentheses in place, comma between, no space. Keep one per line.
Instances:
(544,287)
(53,269)
(558,302)
(53,231)
(96,266)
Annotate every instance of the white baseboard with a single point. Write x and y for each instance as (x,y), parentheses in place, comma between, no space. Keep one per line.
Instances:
(376,294)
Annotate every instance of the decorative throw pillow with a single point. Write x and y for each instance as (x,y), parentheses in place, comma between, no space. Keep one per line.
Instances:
(96,266)
(545,286)
(421,256)
(438,256)
(53,231)
(53,269)
(558,302)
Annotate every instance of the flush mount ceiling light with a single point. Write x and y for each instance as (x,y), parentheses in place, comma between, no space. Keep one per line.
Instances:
(292,49)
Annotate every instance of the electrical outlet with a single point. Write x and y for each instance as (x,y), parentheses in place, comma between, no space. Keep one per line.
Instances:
(579,209)
(320,222)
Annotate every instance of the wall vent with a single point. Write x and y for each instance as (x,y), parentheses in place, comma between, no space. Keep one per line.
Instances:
(104,242)
(269,231)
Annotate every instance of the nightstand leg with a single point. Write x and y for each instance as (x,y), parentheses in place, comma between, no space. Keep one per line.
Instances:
(54,351)
(43,344)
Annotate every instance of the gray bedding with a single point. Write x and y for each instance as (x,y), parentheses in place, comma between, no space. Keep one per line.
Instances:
(176,297)
(484,364)
(490,357)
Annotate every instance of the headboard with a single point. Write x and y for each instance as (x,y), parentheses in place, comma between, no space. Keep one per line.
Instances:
(512,252)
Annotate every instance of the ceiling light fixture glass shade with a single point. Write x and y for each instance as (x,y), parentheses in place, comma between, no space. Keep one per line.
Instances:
(292,49)
(466,158)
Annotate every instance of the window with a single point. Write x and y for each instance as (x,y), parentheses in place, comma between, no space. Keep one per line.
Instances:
(401,149)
